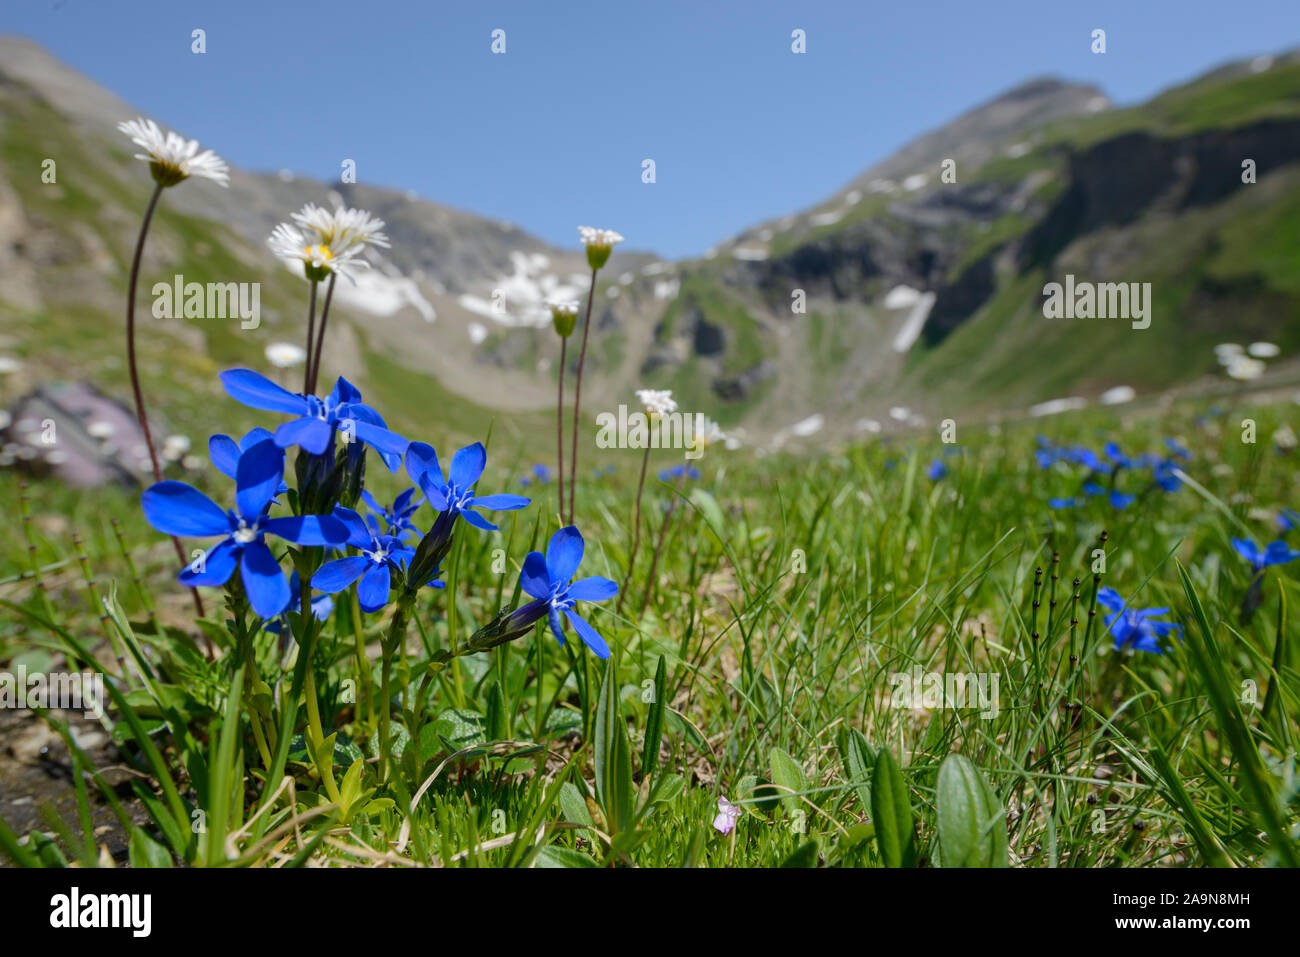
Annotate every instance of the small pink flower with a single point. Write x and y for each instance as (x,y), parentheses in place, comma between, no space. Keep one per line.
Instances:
(728,815)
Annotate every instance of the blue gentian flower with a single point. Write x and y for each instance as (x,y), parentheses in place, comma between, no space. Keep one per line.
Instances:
(1120,499)
(1063,502)
(1180,451)
(679,471)
(317,419)
(938,469)
(1288,519)
(1135,628)
(1166,476)
(380,554)
(1276,553)
(175,508)
(455,493)
(1119,458)
(547,580)
(396,518)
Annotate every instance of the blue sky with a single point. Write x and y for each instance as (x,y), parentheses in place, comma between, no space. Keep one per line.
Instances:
(553,133)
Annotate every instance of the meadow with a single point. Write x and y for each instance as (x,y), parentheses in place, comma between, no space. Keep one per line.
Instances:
(762,672)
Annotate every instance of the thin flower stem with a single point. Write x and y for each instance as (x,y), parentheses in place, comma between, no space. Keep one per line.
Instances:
(559,423)
(316,732)
(311,328)
(659,545)
(132,283)
(577,394)
(320,334)
(636,534)
(364,702)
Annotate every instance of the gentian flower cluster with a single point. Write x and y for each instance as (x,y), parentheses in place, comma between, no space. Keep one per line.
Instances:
(1102,473)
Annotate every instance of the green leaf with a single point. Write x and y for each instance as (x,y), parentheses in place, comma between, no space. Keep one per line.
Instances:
(788,776)
(460,728)
(654,726)
(858,761)
(805,855)
(552,856)
(496,712)
(144,851)
(891,813)
(972,822)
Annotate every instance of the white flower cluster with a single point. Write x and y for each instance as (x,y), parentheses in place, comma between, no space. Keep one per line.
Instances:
(657,401)
(600,238)
(323,242)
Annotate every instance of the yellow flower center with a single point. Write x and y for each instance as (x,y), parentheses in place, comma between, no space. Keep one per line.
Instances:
(318,252)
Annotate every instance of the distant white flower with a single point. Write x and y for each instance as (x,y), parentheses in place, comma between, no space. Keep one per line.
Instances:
(1284,438)
(171,157)
(657,401)
(599,243)
(285,355)
(100,429)
(1263,350)
(1225,351)
(1245,368)
(317,260)
(9,364)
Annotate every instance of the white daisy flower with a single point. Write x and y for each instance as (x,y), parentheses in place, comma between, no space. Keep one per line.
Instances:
(317,259)
(171,157)
(1263,350)
(599,243)
(343,227)
(710,434)
(285,355)
(657,401)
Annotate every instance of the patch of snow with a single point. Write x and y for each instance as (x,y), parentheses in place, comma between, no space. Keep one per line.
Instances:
(914,323)
(477,332)
(383,295)
(1118,395)
(867,425)
(1097,104)
(826,219)
(915,182)
(881,186)
(667,288)
(1017,150)
(1056,406)
(853,197)
(899,413)
(1260,64)
(901,297)
(749,254)
(809,426)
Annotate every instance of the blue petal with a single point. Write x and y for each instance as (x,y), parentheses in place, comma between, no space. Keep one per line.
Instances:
(467,465)
(345,391)
(311,434)
(564,554)
(534,579)
(594,588)
(557,625)
(258,477)
(223,453)
(175,508)
(339,574)
(358,532)
(435,493)
(252,437)
(500,503)
(588,635)
(308,529)
(1279,553)
(421,458)
(218,564)
(477,520)
(373,590)
(381,440)
(259,392)
(264,582)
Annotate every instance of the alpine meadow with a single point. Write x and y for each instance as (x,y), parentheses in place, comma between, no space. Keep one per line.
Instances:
(947,521)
